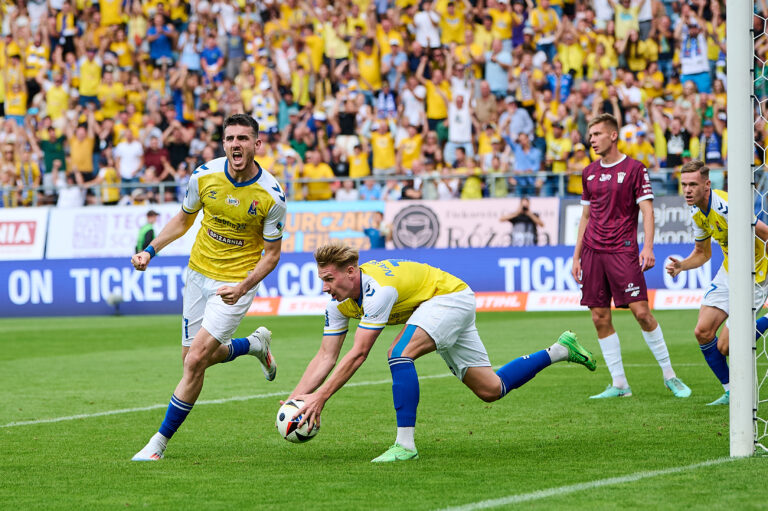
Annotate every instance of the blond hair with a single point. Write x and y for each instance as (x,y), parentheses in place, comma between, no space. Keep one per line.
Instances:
(609,119)
(695,166)
(337,254)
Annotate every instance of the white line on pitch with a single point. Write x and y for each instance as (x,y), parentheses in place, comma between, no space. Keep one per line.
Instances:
(232,399)
(201,402)
(572,488)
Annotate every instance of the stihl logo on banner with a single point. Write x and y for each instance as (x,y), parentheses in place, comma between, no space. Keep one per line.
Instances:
(264,307)
(17,233)
(500,301)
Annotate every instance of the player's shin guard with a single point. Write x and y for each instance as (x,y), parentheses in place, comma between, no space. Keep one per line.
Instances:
(237,347)
(520,370)
(405,390)
(177,412)
(716,360)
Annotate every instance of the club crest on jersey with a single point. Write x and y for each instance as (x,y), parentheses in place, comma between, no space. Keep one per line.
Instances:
(605,177)
(620,177)
(232,201)
(253,209)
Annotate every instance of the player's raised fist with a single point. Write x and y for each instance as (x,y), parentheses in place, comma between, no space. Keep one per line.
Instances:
(140,261)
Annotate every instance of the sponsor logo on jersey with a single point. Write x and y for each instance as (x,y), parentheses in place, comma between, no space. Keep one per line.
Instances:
(253,210)
(620,177)
(212,194)
(231,225)
(223,239)
(590,178)
(232,201)
(605,177)
(415,227)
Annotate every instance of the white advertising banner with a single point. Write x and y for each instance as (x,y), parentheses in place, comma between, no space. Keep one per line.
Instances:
(110,231)
(468,223)
(22,233)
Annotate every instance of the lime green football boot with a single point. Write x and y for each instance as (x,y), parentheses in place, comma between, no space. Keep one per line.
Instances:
(397,453)
(576,352)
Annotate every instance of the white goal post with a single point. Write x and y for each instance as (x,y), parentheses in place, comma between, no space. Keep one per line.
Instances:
(741,140)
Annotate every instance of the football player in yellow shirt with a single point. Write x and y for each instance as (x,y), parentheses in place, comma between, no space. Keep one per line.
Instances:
(243,214)
(437,310)
(709,209)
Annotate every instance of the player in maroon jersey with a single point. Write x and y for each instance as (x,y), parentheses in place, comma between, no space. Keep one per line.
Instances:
(605,260)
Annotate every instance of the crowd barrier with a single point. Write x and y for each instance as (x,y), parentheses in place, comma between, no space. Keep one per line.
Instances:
(504,278)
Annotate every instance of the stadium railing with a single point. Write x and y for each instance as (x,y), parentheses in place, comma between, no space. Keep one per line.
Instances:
(663,181)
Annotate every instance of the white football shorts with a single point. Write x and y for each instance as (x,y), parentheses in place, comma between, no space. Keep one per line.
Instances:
(717,294)
(204,308)
(450,322)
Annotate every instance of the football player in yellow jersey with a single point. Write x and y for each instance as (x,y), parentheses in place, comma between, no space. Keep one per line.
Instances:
(243,214)
(437,310)
(709,209)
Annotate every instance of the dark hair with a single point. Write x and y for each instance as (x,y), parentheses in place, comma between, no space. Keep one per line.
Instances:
(242,120)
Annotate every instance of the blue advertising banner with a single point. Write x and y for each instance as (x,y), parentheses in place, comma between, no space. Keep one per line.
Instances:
(91,286)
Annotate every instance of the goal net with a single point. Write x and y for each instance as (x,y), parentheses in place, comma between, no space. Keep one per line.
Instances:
(759,188)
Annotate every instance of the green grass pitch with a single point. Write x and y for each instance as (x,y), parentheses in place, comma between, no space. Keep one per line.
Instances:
(544,446)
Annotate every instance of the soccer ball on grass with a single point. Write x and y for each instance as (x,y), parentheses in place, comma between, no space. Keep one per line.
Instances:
(288,427)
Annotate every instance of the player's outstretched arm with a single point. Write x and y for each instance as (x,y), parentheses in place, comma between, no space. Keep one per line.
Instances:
(321,365)
(702,252)
(173,230)
(314,403)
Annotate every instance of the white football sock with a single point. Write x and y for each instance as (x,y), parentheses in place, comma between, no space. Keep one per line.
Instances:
(655,341)
(557,353)
(405,437)
(611,349)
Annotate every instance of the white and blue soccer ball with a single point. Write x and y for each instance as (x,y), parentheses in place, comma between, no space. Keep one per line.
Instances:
(289,427)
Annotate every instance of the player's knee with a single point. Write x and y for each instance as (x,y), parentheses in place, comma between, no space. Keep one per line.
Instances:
(703,334)
(645,319)
(488,392)
(194,362)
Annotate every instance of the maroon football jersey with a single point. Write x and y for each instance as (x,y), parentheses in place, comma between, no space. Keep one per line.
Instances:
(613,193)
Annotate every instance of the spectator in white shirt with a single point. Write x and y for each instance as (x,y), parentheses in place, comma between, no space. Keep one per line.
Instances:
(347,192)
(129,157)
(425,25)
(459,123)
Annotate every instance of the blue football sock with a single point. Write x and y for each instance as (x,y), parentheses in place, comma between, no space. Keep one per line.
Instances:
(716,360)
(405,390)
(520,370)
(177,412)
(237,347)
(761,325)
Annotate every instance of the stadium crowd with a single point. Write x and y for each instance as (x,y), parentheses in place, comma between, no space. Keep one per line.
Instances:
(117,101)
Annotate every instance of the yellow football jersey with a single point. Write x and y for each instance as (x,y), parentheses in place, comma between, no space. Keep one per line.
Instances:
(714,223)
(237,219)
(390,291)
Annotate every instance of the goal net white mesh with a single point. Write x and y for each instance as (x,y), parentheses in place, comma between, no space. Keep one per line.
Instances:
(760,180)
